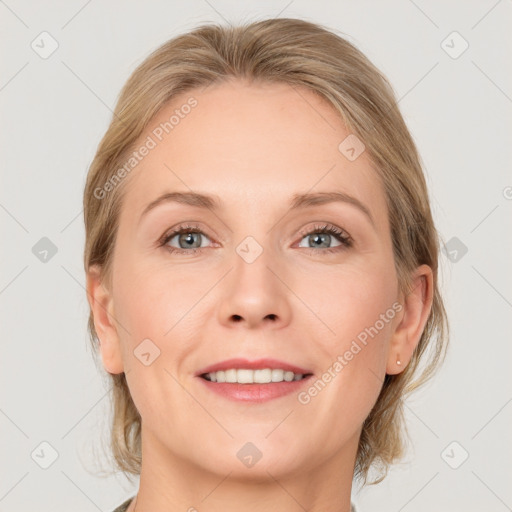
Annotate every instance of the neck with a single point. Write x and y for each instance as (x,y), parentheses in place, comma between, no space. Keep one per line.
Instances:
(169,482)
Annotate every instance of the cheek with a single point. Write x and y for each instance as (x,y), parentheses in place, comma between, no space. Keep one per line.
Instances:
(151,301)
(352,299)
(362,312)
(357,306)
(155,310)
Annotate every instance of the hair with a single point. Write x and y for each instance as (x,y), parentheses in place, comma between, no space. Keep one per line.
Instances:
(303,55)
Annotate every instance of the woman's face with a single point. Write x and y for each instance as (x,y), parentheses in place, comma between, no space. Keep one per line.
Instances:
(255,278)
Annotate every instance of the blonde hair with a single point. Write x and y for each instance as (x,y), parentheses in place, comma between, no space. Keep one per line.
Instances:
(306,55)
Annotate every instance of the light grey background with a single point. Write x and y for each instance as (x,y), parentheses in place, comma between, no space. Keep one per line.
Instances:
(54,112)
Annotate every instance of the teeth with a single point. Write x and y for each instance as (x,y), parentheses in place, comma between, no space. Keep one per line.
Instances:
(243,376)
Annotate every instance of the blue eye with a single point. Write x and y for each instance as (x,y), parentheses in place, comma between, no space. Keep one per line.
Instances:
(190,239)
(324,235)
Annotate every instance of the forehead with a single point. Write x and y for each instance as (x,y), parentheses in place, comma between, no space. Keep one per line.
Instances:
(249,144)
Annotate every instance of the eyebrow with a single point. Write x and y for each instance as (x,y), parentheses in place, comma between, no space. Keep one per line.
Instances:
(298,201)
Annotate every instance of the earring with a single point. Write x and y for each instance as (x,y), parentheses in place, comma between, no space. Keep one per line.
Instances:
(398,362)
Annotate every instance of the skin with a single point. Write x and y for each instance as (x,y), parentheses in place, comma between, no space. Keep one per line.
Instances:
(254,146)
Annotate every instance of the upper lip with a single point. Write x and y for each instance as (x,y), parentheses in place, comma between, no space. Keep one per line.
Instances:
(257,364)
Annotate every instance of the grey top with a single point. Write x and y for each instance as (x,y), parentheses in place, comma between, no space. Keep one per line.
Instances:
(126,504)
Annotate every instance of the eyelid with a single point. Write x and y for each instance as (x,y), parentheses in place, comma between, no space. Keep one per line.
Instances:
(343,237)
(326,227)
(182,227)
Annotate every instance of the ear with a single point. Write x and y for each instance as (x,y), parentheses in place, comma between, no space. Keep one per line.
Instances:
(102,307)
(416,309)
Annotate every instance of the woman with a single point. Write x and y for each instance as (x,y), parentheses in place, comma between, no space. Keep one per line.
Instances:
(262,271)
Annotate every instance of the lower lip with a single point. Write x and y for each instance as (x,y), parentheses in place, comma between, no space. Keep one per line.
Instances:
(256,393)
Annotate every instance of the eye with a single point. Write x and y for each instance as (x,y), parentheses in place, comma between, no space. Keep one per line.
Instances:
(323,236)
(184,239)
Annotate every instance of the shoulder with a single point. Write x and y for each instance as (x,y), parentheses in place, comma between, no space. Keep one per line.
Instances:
(124,506)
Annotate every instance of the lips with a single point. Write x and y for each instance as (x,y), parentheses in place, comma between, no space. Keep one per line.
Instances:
(258,364)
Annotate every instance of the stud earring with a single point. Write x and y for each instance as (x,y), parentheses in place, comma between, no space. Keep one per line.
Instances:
(398,362)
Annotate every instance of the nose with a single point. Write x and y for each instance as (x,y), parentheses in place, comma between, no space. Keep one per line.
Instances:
(255,295)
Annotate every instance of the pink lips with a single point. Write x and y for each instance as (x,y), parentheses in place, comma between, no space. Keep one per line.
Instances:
(255,392)
(259,364)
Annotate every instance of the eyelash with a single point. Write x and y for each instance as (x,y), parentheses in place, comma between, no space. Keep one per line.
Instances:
(340,235)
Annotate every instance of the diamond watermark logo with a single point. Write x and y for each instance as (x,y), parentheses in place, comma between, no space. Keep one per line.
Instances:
(249,249)
(249,454)
(44,250)
(146,352)
(455,249)
(44,45)
(454,455)
(352,147)
(454,45)
(44,455)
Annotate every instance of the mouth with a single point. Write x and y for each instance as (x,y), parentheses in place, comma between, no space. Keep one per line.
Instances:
(248,376)
(256,381)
